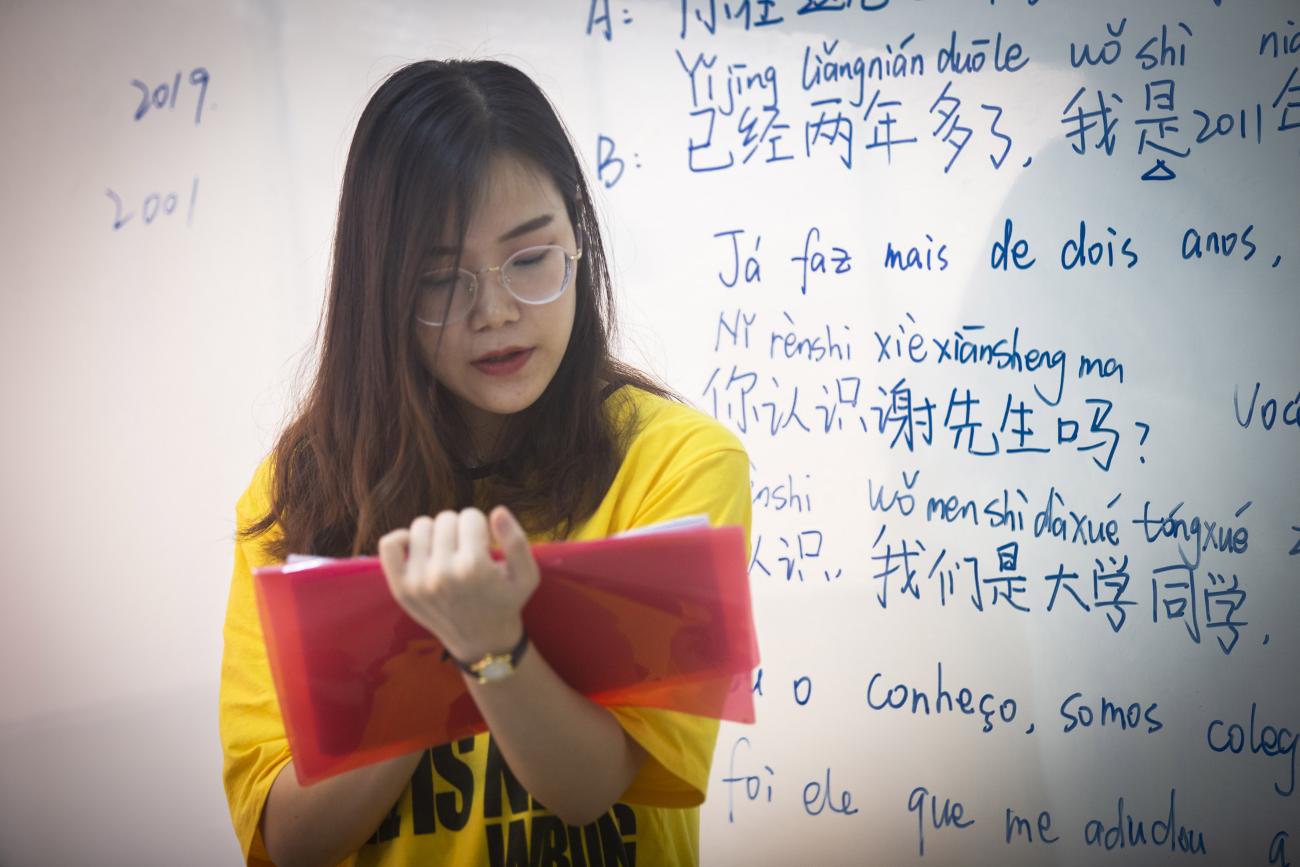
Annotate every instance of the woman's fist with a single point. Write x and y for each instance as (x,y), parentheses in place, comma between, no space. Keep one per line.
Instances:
(441,571)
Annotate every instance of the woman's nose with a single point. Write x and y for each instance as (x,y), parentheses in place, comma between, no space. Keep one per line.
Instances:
(494,306)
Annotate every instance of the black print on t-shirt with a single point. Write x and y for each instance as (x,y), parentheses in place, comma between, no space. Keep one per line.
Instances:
(610,841)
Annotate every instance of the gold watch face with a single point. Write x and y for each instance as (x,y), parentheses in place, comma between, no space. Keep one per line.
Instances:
(494,668)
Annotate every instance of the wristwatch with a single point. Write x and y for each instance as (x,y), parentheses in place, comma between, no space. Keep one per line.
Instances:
(494,667)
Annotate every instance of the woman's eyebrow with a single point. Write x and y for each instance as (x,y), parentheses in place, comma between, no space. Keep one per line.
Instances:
(522,229)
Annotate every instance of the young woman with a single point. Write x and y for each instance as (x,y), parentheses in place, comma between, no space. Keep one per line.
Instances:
(467,398)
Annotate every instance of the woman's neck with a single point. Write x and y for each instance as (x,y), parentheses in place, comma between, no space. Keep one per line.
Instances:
(484,430)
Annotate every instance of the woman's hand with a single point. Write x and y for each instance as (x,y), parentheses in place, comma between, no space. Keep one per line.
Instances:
(442,573)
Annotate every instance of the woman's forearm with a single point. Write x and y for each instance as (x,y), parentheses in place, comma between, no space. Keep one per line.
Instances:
(323,823)
(568,752)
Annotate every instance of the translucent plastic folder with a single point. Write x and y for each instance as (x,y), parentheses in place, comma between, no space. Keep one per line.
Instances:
(659,620)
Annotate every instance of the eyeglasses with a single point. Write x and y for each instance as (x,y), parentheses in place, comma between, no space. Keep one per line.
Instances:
(534,275)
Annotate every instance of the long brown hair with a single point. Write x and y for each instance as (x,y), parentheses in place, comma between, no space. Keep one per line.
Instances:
(376,441)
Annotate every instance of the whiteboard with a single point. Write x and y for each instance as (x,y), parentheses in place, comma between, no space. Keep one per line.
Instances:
(1000,297)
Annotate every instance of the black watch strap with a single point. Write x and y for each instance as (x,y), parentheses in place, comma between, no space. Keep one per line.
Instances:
(516,653)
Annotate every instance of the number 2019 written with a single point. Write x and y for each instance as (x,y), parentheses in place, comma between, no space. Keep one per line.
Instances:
(164,95)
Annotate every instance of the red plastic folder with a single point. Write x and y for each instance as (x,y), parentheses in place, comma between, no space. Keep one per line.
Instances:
(659,620)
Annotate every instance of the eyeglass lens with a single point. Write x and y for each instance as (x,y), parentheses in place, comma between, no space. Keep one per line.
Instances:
(535,275)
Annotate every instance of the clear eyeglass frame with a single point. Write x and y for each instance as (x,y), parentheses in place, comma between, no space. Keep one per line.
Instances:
(570,260)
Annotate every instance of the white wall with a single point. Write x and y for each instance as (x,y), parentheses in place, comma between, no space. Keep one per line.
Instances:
(148,367)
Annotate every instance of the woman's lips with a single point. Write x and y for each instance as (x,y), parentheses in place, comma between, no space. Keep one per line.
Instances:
(504,365)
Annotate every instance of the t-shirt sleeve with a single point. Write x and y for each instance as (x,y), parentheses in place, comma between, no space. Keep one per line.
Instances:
(253,742)
(680,746)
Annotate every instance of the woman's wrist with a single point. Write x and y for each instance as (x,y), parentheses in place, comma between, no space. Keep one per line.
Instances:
(495,666)
(498,642)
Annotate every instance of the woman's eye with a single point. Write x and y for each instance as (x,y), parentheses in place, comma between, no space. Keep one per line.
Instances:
(530,260)
(436,282)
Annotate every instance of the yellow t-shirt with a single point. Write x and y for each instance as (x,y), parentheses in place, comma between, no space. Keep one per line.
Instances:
(463,806)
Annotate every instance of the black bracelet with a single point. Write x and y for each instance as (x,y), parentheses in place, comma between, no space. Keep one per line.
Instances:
(516,653)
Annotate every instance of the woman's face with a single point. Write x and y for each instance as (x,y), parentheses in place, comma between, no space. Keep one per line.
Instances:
(520,207)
